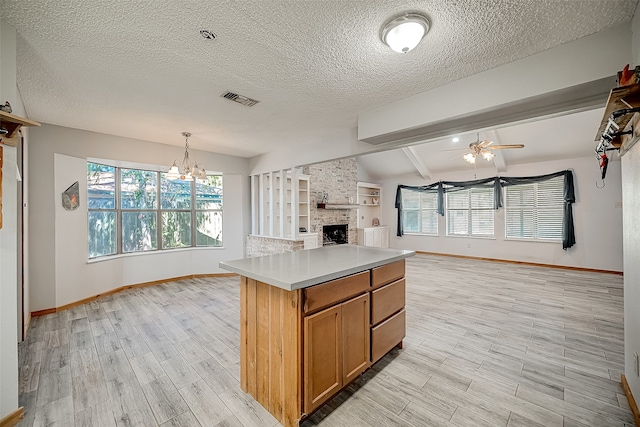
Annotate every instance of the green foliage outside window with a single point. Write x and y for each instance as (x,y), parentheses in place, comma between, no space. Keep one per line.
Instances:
(131,209)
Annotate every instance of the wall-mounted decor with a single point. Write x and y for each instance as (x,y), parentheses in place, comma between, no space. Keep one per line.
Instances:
(71,197)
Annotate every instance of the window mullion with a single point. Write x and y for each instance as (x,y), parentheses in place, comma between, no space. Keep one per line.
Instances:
(118,212)
(470,214)
(193,213)
(158,212)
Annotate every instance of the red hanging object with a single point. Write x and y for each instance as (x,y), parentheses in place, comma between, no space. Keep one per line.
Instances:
(604,161)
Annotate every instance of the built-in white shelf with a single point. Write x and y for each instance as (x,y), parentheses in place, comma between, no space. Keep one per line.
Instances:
(280,204)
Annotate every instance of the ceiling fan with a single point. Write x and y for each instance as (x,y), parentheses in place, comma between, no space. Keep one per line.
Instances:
(483,149)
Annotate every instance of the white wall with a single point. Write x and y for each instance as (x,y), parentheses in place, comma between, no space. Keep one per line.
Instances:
(8,239)
(631,201)
(8,288)
(598,222)
(631,228)
(60,273)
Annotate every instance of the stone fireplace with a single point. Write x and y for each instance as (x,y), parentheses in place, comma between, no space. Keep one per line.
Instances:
(338,179)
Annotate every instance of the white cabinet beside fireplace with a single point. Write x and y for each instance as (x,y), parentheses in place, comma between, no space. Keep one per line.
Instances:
(310,240)
(377,237)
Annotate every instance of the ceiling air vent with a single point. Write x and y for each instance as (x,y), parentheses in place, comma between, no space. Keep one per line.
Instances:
(239,99)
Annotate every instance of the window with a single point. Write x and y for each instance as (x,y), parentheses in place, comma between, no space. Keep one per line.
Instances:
(134,210)
(101,202)
(535,211)
(175,205)
(138,198)
(209,211)
(470,212)
(420,212)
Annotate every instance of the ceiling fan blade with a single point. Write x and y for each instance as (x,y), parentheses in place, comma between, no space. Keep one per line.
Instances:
(455,149)
(484,143)
(501,147)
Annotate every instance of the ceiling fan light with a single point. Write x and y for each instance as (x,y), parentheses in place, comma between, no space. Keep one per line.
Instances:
(405,32)
(487,155)
(470,158)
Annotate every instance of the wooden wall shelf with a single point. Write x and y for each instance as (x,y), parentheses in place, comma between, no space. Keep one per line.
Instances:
(13,123)
(336,206)
(620,98)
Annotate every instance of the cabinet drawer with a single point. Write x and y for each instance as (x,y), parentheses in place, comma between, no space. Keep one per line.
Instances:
(387,300)
(387,335)
(335,291)
(387,273)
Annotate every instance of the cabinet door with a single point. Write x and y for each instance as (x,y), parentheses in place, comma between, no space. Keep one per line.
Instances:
(368,237)
(310,242)
(384,233)
(355,337)
(322,357)
(377,238)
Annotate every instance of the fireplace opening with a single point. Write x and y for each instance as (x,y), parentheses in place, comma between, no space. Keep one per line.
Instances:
(335,234)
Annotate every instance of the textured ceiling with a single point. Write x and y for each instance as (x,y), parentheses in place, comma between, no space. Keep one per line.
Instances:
(140,69)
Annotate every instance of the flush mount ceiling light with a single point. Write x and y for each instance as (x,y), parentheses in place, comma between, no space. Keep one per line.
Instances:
(404,32)
(188,170)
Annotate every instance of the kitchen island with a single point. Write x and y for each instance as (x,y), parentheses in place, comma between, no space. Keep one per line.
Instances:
(312,321)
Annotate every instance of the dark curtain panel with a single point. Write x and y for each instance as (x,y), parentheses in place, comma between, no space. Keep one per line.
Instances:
(568,232)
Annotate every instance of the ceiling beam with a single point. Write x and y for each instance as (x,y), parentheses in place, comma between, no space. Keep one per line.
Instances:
(499,160)
(410,152)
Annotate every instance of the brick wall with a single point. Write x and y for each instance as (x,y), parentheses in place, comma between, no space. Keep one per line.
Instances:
(259,246)
(339,179)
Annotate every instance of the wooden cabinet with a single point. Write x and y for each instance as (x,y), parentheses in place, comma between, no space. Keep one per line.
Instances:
(387,273)
(387,335)
(355,337)
(387,300)
(388,318)
(336,349)
(322,356)
(299,348)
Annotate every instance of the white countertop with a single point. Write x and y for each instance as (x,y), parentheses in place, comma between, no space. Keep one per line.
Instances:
(301,269)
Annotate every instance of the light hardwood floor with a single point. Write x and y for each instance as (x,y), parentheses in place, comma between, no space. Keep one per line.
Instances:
(488,344)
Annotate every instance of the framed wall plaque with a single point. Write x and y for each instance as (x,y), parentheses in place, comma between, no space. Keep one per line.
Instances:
(71,197)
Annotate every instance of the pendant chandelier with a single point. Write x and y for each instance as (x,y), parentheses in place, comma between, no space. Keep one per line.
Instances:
(187,170)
